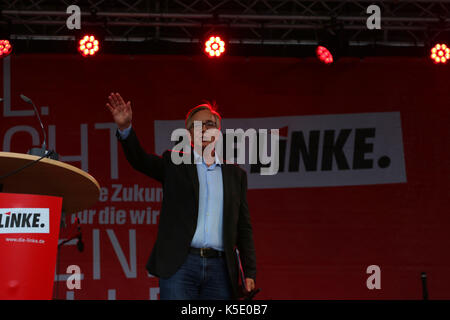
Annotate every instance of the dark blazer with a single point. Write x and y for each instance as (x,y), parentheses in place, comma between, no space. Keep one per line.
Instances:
(179,212)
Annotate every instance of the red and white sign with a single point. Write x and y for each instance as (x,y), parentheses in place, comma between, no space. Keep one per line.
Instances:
(29,231)
(319,150)
(24,220)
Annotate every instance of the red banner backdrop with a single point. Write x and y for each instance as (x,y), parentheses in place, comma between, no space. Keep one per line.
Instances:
(311,243)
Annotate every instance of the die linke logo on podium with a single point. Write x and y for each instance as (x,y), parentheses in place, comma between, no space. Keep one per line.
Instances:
(24,220)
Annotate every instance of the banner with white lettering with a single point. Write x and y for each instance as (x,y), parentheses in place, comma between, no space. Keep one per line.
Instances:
(320,150)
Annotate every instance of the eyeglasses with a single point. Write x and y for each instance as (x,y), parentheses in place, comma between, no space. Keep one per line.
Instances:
(208,124)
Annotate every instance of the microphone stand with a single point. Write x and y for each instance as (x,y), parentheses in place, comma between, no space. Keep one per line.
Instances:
(78,235)
(80,246)
(424,286)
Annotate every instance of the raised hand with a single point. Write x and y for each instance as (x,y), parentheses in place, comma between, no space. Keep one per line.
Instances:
(120,110)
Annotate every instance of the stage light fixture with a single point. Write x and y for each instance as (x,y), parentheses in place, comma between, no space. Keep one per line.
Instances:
(88,45)
(324,55)
(332,45)
(440,53)
(214,47)
(5,48)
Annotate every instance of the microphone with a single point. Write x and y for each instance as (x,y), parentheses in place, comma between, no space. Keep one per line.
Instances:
(424,286)
(43,150)
(80,243)
(29,101)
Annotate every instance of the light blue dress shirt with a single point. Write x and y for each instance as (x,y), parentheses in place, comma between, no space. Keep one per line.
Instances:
(124,133)
(209,232)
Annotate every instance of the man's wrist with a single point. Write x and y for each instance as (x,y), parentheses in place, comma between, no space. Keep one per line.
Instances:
(123,128)
(124,133)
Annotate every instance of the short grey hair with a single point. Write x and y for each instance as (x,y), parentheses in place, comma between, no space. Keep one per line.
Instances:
(205,106)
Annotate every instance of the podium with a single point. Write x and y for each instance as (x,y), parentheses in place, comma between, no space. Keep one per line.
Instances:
(31,202)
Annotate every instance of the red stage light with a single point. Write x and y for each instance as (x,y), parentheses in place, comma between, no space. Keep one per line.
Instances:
(440,53)
(324,55)
(214,47)
(5,48)
(88,45)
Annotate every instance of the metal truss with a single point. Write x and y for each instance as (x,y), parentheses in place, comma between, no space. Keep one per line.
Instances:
(266,22)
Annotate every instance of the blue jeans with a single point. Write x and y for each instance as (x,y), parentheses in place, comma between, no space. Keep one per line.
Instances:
(198,278)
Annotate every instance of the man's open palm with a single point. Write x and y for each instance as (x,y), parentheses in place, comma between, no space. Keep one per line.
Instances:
(120,110)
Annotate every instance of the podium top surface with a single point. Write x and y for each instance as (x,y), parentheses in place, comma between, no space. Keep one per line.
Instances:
(78,188)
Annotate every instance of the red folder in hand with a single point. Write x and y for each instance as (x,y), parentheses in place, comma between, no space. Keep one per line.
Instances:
(249,295)
(240,270)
